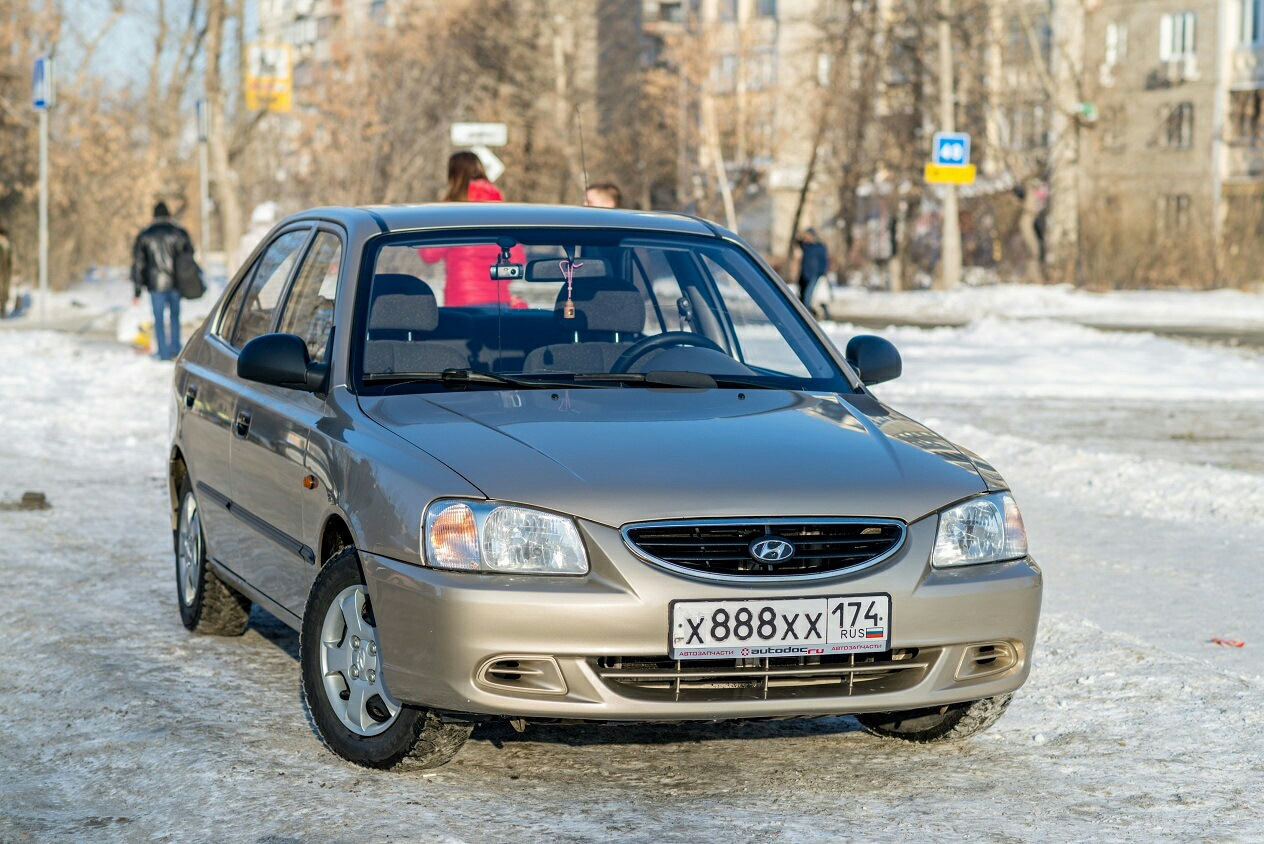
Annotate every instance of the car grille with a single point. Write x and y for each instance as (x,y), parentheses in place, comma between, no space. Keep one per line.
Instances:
(721,549)
(765,678)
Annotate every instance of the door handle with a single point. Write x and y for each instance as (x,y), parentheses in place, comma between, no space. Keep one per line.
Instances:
(243,423)
(190,396)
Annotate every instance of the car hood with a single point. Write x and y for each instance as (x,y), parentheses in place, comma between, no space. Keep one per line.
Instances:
(624,455)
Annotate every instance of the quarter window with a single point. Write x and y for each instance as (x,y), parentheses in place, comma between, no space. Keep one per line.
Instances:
(267,286)
(309,311)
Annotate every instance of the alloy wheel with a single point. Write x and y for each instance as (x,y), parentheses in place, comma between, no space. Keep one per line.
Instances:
(350,665)
(189,549)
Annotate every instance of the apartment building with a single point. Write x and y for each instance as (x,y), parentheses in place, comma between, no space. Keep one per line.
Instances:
(1178,145)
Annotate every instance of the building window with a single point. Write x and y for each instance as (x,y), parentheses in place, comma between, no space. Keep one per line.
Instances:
(1173,213)
(728,10)
(1251,31)
(1114,123)
(766,8)
(1179,126)
(673,12)
(1116,43)
(1244,117)
(1176,36)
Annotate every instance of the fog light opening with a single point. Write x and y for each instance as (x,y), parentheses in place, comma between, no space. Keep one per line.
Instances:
(987,659)
(539,675)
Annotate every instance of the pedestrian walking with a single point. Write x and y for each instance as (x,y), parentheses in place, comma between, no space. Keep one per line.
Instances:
(603,195)
(6,270)
(812,266)
(155,255)
(468,281)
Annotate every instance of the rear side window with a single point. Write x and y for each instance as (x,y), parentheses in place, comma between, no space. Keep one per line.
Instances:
(267,286)
(309,311)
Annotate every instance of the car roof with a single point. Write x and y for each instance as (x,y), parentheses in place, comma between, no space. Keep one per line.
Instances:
(447,215)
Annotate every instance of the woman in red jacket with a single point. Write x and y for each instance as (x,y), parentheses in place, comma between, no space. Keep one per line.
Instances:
(468,268)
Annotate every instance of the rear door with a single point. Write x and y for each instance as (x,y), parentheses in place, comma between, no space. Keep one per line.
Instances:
(208,393)
(270,490)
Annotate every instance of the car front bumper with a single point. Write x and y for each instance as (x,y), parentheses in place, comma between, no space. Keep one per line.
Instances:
(547,647)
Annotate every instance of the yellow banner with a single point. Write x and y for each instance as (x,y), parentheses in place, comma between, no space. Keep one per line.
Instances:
(938,174)
(269,77)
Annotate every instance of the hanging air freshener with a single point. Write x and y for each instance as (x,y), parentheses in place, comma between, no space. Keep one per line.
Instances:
(568,271)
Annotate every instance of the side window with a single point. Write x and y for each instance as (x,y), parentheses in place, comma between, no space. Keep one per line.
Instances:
(266,287)
(228,316)
(652,271)
(763,345)
(309,310)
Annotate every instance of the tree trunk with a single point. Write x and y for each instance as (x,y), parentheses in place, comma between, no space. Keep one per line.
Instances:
(223,179)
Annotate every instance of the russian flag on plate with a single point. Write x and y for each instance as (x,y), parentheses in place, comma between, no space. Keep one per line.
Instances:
(873,633)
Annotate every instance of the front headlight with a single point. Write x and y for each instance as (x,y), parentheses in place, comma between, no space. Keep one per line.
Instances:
(501,538)
(987,529)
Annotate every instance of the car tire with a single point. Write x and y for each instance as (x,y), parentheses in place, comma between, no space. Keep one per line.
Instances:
(345,696)
(207,604)
(952,722)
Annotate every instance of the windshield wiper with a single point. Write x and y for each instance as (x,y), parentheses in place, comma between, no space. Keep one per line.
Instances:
(673,378)
(457,378)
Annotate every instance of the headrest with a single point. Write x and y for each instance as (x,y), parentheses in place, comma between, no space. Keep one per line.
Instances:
(402,303)
(604,304)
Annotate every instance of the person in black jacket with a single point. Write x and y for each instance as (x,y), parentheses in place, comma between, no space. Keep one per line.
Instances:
(812,266)
(154,268)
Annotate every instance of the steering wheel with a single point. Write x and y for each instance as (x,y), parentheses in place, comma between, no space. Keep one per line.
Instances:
(666,340)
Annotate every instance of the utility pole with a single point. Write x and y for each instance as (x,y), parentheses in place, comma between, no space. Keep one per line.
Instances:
(42,100)
(950,238)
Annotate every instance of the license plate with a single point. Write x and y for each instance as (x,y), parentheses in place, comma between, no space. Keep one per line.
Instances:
(780,627)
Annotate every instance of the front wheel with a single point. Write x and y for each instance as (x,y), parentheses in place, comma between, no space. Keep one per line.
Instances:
(951,722)
(343,688)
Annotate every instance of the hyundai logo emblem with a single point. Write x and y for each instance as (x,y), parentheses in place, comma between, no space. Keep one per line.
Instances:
(771,549)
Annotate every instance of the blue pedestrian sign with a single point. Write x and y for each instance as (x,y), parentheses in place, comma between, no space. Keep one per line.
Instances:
(42,84)
(951,149)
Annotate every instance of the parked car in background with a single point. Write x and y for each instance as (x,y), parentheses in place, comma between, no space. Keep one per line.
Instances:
(637,484)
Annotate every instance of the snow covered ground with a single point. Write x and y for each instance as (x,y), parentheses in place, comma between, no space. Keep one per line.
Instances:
(1139,465)
(1166,309)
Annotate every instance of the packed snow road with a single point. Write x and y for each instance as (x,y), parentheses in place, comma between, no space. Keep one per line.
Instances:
(1139,468)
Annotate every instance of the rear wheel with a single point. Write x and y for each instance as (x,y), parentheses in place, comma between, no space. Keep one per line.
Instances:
(951,722)
(207,604)
(343,688)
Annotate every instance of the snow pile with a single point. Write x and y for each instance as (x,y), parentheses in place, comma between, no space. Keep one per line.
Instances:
(1044,359)
(1125,485)
(101,305)
(1123,308)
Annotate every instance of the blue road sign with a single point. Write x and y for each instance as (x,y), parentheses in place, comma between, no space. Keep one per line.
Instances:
(42,84)
(951,149)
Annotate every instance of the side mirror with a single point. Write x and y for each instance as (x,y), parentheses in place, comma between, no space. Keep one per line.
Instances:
(281,360)
(874,359)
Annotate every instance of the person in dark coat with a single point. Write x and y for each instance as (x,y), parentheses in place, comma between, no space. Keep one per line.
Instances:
(154,269)
(813,265)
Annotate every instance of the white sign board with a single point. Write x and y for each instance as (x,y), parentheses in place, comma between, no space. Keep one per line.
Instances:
(479,134)
(42,84)
(492,165)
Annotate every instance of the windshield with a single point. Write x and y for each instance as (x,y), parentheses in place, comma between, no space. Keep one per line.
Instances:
(602,308)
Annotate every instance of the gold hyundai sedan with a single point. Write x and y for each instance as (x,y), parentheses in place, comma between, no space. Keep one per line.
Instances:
(554,464)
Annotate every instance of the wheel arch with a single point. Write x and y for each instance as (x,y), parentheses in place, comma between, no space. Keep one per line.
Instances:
(335,535)
(177,471)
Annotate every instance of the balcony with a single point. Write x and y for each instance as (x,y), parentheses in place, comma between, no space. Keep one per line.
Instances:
(1245,161)
(1246,67)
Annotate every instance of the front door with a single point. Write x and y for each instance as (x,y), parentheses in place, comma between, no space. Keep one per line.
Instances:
(271,429)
